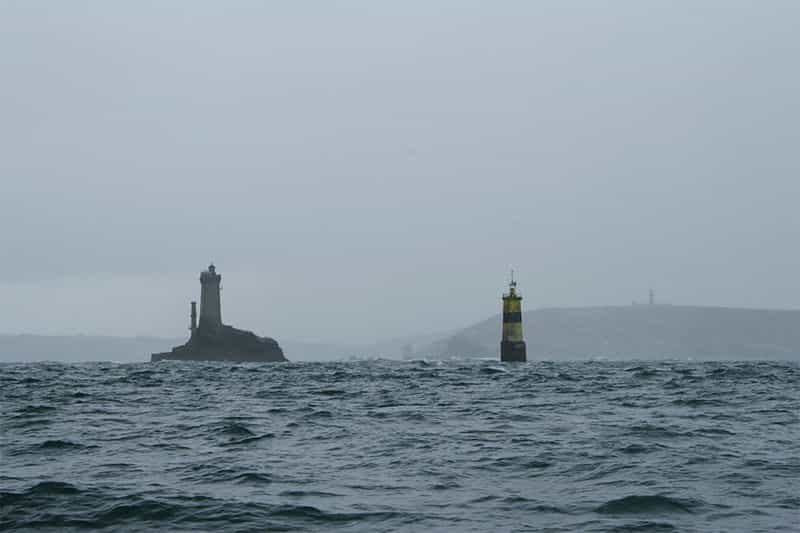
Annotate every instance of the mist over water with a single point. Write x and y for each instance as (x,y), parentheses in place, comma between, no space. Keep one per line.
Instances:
(401,446)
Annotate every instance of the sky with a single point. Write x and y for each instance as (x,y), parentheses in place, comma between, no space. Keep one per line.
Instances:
(363,170)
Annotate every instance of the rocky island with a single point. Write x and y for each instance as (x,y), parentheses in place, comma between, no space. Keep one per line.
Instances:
(211,340)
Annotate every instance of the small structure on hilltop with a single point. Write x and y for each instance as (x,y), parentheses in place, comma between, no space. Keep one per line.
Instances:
(512,345)
(211,340)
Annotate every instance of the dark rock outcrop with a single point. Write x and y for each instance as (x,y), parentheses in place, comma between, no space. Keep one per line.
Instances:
(226,344)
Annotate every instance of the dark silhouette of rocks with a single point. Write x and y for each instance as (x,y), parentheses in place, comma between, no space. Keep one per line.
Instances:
(211,340)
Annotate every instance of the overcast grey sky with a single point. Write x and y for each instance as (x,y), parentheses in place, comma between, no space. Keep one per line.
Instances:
(361,170)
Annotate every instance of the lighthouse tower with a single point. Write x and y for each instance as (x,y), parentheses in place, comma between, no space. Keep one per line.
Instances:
(512,346)
(210,309)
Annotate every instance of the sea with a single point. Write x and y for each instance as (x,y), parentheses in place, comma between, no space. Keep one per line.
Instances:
(401,446)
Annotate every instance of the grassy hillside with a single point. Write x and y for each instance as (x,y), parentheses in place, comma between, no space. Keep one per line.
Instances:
(638,332)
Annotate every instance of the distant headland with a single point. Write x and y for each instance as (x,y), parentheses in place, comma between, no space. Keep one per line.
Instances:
(654,331)
(211,340)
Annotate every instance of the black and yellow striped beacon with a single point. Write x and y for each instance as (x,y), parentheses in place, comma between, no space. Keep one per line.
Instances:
(512,346)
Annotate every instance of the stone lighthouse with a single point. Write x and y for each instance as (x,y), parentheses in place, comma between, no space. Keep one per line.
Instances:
(211,340)
(210,307)
(512,345)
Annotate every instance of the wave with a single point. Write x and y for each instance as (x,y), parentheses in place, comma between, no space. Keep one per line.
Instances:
(248,440)
(54,445)
(58,444)
(323,413)
(380,446)
(308,494)
(312,514)
(145,510)
(645,526)
(699,402)
(517,502)
(646,505)
(713,431)
(640,448)
(253,478)
(652,430)
(53,487)
(331,392)
(233,428)
(33,410)
(93,509)
(520,462)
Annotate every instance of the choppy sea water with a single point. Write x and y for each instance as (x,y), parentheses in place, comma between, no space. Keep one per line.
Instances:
(401,446)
